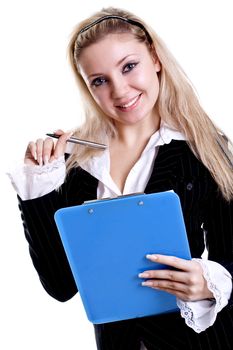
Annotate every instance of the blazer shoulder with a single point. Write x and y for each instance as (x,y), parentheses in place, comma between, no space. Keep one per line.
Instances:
(185,161)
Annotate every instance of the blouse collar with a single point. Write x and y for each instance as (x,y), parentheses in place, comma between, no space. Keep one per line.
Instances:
(99,166)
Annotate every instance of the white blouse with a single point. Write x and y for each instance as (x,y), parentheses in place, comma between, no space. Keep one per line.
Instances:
(34,181)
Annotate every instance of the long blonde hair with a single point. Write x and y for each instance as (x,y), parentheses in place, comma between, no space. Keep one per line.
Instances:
(177,102)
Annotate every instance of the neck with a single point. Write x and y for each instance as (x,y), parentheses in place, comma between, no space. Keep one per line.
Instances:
(131,135)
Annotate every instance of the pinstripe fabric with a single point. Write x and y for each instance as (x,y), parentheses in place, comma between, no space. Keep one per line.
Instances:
(175,168)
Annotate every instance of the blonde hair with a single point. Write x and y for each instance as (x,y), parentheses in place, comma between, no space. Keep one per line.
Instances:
(177,102)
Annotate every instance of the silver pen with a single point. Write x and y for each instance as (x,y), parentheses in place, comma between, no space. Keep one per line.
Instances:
(81,142)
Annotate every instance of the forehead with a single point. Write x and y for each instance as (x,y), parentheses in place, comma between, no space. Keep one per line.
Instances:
(109,51)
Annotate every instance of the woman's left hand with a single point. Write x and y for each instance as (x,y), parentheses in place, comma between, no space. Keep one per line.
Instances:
(185,282)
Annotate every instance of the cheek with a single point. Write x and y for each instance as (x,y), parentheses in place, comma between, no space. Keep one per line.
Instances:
(98,96)
(101,98)
(153,81)
(140,80)
(156,85)
(154,92)
(147,79)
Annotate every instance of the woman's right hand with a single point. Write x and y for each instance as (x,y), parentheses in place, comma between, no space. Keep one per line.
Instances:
(44,151)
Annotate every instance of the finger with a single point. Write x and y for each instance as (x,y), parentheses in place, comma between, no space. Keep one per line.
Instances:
(183,295)
(30,154)
(189,292)
(39,151)
(178,263)
(48,147)
(59,132)
(170,275)
(61,144)
(166,285)
(177,293)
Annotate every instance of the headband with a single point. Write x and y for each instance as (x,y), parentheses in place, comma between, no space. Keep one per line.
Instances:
(130,21)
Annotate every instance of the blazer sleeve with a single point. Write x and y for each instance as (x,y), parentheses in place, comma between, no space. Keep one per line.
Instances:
(218,225)
(45,246)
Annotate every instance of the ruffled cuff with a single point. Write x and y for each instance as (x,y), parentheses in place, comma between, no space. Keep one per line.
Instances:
(202,314)
(35,181)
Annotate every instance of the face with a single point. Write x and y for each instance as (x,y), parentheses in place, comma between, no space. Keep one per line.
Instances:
(121,75)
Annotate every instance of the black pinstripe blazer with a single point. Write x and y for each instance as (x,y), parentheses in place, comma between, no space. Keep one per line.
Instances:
(175,168)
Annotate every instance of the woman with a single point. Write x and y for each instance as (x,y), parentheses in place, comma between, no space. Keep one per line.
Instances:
(139,102)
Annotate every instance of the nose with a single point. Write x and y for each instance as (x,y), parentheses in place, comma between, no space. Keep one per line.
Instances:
(119,87)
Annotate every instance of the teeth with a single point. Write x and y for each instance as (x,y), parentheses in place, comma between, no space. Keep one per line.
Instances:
(130,103)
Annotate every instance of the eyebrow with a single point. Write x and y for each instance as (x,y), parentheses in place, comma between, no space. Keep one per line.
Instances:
(118,63)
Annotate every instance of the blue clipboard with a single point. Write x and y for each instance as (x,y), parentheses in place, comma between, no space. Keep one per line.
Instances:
(106,242)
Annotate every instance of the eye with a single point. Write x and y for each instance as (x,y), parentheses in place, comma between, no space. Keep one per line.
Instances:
(129,66)
(98,81)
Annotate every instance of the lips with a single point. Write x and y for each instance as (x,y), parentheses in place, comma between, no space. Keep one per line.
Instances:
(130,104)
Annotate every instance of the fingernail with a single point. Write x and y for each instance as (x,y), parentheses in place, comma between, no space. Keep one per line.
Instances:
(151,256)
(35,156)
(147,284)
(40,161)
(144,275)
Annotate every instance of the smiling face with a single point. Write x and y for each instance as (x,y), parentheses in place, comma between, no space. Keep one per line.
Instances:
(121,75)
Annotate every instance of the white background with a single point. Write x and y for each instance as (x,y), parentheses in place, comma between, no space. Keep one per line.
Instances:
(38,95)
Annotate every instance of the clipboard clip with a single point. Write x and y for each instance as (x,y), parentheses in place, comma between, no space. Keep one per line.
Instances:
(112,198)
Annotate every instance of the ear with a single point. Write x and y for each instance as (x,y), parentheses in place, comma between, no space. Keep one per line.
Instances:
(155,58)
